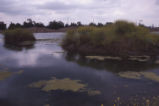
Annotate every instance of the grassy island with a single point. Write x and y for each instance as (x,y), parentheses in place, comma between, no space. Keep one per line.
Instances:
(18,37)
(119,39)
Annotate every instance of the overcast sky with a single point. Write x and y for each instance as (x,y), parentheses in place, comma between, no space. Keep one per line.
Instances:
(80,10)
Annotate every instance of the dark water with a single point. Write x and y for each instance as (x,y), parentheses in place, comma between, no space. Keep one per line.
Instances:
(118,83)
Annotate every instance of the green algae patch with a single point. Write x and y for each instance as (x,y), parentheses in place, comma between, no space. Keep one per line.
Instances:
(20,72)
(130,75)
(138,75)
(63,84)
(102,58)
(93,92)
(139,58)
(131,58)
(151,76)
(5,74)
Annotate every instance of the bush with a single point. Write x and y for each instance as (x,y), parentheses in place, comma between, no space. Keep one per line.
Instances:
(121,38)
(18,36)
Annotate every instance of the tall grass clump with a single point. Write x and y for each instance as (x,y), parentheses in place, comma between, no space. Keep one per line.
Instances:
(18,36)
(119,39)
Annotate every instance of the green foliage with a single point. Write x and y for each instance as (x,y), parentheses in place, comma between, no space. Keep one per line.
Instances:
(2,26)
(56,25)
(18,36)
(122,38)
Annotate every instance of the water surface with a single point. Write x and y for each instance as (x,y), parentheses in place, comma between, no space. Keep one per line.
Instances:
(45,75)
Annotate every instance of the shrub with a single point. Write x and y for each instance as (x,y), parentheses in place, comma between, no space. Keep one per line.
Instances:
(121,38)
(18,36)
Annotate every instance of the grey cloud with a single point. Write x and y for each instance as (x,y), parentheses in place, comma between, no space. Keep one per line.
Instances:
(61,6)
(57,6)
(15,7)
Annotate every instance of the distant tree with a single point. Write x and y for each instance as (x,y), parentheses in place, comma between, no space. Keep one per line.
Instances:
(108,23)
(100,25)
(14,26)
(142,25)
(29,23)
(79,23)
(92,24)
(66,25)
(73,24)
(18,25)
(2,26)
(39,24)
(56,25)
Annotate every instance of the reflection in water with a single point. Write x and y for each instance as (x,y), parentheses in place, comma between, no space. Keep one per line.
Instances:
(112,65)
(26,45)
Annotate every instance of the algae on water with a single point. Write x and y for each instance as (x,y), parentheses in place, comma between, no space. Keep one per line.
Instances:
(5,74)
(63,84)
(131,75)
(151,76)
(102,58)
(139,58)
(138,75)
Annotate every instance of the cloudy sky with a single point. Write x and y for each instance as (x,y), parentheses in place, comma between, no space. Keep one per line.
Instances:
(80,10)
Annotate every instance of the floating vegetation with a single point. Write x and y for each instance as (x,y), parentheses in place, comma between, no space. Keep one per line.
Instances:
(20,72)
(63,84)
(131,75)
(139,58)
(132,58)
(5,74)
(50,40)
(151,76)
(58,52)
(138,75)
(102,58)
(93,92)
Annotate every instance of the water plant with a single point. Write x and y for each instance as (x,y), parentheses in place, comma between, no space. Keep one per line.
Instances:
(18,37)
(119,39)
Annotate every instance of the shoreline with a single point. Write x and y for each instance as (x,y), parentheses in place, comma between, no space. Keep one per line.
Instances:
(46,30)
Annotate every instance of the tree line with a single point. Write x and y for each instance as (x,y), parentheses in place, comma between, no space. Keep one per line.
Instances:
(29,23)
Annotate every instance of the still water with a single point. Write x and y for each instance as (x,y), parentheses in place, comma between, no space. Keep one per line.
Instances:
(45,75)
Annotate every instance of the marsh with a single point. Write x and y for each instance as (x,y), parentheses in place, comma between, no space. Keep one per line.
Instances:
(46,75)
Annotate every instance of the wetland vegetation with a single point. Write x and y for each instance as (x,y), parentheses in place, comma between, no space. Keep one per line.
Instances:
(18,36)
(17,39)
(121,39)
